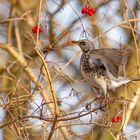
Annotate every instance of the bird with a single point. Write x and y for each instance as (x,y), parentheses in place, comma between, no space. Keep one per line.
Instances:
(100,66)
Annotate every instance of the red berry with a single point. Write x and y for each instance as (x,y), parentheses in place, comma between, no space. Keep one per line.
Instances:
(87,9)
(115,120)
(90,13)
(83,11)
(35,29)
(119,117)
(40,30)
(93,10)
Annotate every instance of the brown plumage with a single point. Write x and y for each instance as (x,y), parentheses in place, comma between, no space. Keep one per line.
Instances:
(109,57)
(100,67)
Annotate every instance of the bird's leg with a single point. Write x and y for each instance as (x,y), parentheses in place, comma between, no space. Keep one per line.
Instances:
(104,103)
(97,92)
(99,97)
(105,100)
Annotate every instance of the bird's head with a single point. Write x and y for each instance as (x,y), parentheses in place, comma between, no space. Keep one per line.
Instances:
(84,44)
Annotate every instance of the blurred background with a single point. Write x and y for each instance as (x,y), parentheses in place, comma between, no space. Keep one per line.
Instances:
(43,95)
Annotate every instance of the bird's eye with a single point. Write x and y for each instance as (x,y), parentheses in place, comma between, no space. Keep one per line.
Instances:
(82,43)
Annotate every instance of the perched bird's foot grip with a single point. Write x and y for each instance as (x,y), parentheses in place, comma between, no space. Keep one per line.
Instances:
(103,104)
(102,108)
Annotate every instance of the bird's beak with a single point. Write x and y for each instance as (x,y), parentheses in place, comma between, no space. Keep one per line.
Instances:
(75,42)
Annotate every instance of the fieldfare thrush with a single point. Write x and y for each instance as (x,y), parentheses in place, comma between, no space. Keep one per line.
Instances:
(100,67)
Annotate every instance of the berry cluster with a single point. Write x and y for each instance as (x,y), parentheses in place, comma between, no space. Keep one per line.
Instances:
(35,29)
(89,10)
(116,119)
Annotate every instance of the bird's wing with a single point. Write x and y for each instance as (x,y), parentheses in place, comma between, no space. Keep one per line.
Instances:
(108,57)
